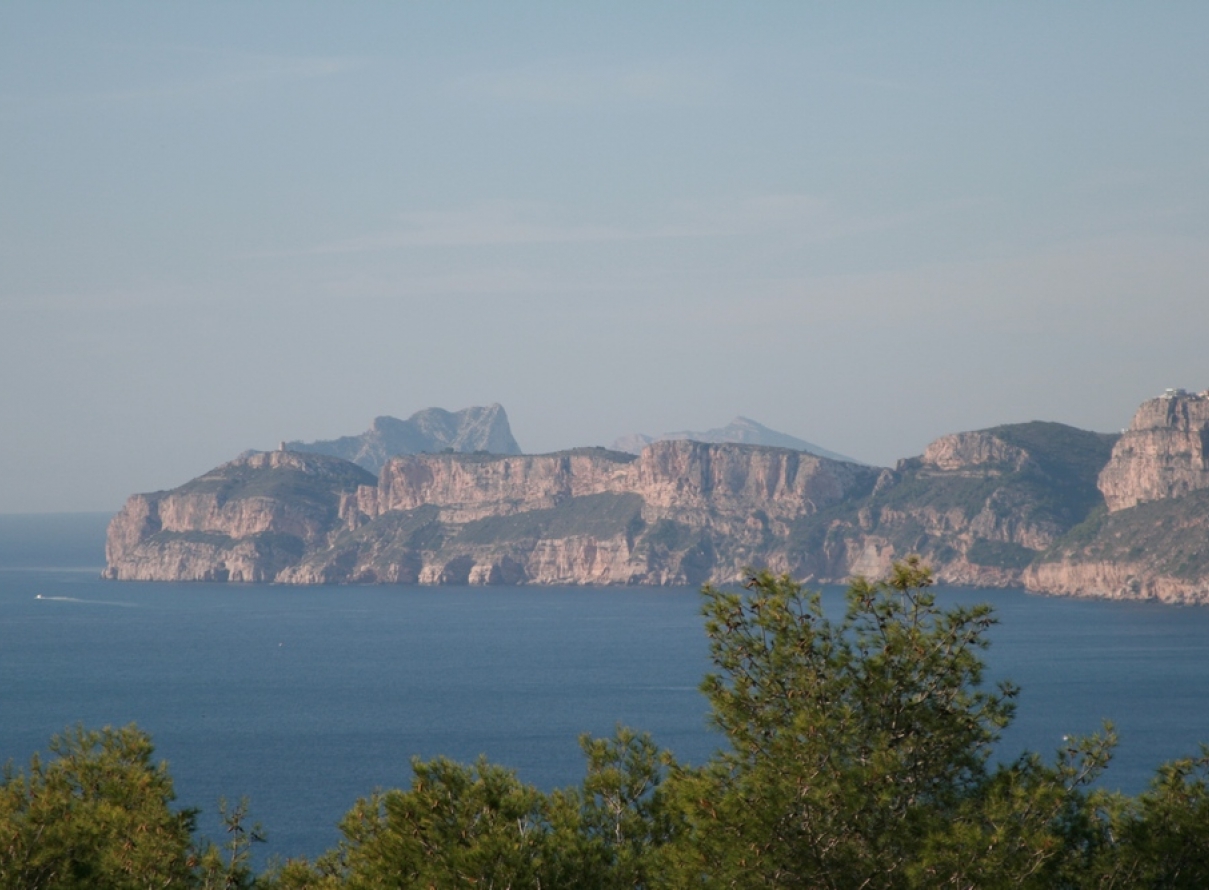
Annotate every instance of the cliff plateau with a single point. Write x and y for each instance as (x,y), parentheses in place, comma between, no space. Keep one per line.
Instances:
(246,520)
(680,513)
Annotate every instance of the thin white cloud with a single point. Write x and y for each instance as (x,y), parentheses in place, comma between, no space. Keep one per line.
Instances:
(490,225)
(101,300)
(574,83)
(1107,283)
(481,227)
(197,73)
(808,218)
(797,217)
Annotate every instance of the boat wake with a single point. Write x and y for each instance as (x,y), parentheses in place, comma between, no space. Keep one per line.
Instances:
(74,599)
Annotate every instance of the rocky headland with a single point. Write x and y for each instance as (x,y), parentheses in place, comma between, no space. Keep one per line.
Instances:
(1042,505)
(680,513)
(1150,538)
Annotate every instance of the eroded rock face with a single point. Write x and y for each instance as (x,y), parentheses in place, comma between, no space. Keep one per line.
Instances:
(978,507)
(1115,580)
(1153,550)
(700,512)
(975,451)
(1163,454)
(244,521)
(1153,541)
(1017,504)
(682,512)
(678,476)
(472,488)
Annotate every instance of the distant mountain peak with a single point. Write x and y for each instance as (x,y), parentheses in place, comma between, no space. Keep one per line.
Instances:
(742,430)
(432,429)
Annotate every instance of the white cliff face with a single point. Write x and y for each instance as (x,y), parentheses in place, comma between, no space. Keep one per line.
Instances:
(742,494)
(211,508)
(983,508)
(1154,541)
(674,478)
(472,488)
(1163,454)
(685,497)
(976,451)
(688,477)
(198,560)
(1115,580)
(244,521)
(696,512)
(137,521)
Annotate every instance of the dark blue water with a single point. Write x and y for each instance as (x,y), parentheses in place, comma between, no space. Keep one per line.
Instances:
(304,699)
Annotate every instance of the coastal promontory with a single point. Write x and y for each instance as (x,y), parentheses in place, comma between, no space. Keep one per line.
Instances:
(1042,505)
(682,512)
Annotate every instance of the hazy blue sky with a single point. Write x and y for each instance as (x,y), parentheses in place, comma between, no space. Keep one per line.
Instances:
(867,225)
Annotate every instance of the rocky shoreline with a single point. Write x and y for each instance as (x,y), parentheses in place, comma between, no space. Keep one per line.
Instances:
(1041,505)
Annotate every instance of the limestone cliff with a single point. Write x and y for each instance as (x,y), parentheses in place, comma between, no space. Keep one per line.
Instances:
(1045,505)
(1163,454)
(471,487)
(682,512)
(978,506)
(1153,550)
(1151,539)
(246,520)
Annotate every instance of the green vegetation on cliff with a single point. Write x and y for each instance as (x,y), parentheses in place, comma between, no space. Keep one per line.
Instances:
(1000,554)
(311,479)
(600,516)
(1168,537)
(1069,460)
(980,513)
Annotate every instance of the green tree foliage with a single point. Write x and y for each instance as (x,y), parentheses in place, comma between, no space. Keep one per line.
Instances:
(623,809)
(228,867)
(859,749)
(463,826)
(98,814)
(95,815)
(1161,837)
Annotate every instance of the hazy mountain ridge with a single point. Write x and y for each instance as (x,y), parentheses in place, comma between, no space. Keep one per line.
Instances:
(1019,504)
(433,429)
(741,430)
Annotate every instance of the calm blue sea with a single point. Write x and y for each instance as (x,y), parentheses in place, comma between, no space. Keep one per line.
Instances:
(304,699)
